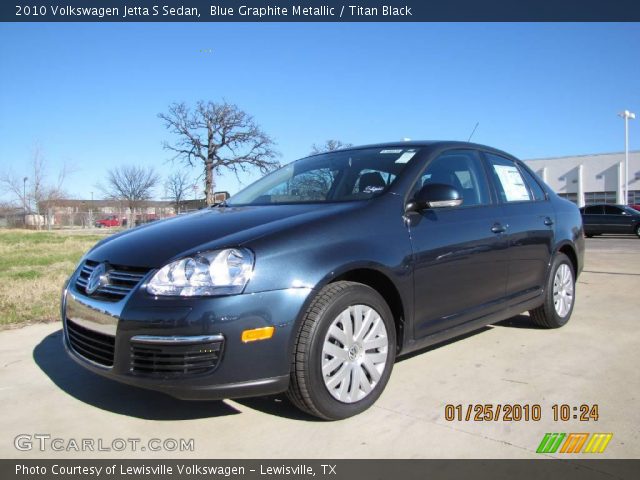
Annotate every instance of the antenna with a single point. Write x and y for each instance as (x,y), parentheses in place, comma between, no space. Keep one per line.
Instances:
(473,131)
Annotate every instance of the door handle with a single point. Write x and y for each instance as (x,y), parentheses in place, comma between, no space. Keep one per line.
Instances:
(499,228)
(548,222)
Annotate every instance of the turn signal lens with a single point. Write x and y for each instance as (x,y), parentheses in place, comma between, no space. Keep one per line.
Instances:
(263,333)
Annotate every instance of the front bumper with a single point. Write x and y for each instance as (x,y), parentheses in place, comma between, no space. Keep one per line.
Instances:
(243,369)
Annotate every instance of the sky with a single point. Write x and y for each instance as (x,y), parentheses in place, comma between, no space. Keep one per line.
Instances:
(88,95)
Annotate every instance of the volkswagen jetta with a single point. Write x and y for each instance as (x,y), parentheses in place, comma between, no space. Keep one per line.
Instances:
(312,280)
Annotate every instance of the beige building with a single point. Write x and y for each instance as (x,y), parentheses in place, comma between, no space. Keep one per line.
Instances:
(587,179)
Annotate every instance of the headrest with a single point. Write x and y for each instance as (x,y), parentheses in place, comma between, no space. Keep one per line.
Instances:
(371,182)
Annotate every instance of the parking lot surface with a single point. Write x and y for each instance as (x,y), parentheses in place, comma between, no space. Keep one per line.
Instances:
(592,360)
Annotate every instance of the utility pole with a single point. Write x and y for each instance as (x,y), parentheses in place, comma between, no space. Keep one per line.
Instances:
(91,212)
(24,198)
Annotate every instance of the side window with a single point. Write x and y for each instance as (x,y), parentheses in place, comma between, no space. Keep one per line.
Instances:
(534,186)
(508,179)
(461,169)
(610,210)
(593,210)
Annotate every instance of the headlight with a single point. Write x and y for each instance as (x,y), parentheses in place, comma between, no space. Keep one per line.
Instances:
(218,272)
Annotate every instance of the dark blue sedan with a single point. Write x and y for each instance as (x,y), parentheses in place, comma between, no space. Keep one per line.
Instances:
(316,277)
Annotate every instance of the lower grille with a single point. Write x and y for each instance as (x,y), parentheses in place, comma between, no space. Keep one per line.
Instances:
(174,359)
(95,346)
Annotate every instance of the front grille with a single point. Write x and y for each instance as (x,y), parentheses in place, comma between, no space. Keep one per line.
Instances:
(119,281)
(95,346)
(172,360)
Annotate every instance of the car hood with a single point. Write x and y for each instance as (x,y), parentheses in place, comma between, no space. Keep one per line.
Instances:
(154,244)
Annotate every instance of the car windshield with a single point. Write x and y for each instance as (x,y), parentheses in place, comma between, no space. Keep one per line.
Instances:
(630,210)
(330,177)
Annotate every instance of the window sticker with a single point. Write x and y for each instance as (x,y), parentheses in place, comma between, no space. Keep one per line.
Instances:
(396,150)
(406,156)
(512,183)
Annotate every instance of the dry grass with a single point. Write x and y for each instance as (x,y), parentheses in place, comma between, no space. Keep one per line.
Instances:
(33,269)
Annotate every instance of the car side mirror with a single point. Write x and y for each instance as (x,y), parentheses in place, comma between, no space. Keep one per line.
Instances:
(435,195)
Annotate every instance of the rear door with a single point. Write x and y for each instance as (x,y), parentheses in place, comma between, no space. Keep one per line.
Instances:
(529,218)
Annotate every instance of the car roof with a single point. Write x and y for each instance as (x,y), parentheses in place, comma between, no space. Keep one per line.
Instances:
(604,204)
(422,143)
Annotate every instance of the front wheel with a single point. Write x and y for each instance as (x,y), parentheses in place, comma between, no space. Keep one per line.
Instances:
(559,295)
(638,230)
(344,352)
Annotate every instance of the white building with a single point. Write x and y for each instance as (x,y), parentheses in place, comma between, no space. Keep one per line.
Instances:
(587,179)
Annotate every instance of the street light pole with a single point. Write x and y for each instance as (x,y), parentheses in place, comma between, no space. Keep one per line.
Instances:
(626,115)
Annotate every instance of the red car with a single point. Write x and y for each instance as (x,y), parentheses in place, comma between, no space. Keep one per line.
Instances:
(635,207)
(111,221)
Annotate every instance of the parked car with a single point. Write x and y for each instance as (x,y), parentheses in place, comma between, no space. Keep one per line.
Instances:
(603,218)
(312,280)
(110,221)
(635,207)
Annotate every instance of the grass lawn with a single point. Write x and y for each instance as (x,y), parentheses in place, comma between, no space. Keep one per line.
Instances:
(33,269)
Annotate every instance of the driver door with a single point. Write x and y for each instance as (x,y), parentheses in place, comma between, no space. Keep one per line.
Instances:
(460,253)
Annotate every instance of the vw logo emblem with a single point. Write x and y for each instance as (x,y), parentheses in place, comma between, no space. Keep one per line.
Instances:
(97,278)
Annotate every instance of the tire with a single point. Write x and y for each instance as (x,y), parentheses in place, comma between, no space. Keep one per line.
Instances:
(562,279)
(324,341)
(638,230)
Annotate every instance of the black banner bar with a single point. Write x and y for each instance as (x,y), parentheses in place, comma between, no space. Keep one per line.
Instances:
(321,11)
(544,468)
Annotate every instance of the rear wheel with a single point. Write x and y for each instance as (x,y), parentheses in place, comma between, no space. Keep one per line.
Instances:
(344,352)
(559,295)
(638,230)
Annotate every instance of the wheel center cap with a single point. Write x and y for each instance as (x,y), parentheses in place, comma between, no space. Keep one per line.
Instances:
(354,352)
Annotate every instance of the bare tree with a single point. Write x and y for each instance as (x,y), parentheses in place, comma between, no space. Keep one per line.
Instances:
(15,186)
(177,186)
(34,189)
(132,185)
(218,136)
(329,146)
